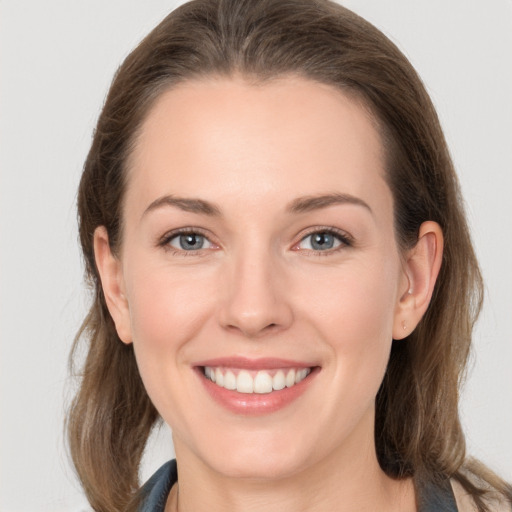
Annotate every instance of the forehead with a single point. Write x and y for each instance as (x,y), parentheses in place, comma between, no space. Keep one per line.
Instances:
(228,138)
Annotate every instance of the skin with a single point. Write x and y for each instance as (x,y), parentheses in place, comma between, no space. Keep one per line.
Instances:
(257,288)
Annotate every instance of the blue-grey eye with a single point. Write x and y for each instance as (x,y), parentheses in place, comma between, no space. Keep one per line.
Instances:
(190,242)
(320,241)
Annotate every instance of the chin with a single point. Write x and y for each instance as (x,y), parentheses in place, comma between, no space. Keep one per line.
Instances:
(263,467)
(258,459)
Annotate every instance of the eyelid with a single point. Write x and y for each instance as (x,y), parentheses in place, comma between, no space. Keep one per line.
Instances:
(345,238)
(164,240)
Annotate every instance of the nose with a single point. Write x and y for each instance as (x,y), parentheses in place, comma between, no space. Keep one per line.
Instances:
(254,299)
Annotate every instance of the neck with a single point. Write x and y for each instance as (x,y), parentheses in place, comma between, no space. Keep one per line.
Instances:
(347,480)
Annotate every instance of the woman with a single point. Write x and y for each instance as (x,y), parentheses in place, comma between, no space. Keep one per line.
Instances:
(283,273)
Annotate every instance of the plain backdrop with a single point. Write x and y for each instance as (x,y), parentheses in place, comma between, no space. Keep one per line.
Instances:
(57,60)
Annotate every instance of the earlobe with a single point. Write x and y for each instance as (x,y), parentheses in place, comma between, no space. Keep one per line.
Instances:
(421,269)
(111,275)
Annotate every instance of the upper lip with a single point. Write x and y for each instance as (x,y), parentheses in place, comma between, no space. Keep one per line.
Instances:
(264,363)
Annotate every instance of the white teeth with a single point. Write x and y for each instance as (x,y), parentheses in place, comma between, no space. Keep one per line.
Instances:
(210,373)
(279,382)
(301,375)
(290,378)
(244,382)
(262,382)
(229,380)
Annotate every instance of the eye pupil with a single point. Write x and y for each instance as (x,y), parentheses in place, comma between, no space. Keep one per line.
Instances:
(191,241)
(322,241)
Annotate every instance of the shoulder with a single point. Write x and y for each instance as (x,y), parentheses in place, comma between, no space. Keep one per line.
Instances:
(465,502)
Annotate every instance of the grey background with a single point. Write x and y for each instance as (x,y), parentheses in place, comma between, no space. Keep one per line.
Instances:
(57,58)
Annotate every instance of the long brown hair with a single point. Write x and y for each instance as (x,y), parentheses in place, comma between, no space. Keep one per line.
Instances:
(417,428)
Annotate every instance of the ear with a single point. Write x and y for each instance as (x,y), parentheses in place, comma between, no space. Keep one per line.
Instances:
(421,268)
(112,282)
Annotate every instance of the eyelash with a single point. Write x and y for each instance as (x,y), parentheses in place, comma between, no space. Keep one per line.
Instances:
(165,241)
(344,238)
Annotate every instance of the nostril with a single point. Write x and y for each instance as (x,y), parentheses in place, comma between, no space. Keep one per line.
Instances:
(253,331)
(254,315)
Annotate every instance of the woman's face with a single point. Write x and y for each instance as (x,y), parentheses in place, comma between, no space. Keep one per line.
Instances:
(258,246)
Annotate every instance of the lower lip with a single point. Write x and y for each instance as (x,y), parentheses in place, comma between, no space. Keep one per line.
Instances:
(255,404)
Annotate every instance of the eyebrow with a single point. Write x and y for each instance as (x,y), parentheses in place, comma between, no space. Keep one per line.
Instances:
(192,205)
(300,205)
(311,203)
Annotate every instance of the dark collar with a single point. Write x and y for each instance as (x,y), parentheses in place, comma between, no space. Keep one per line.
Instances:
(432,497)
(156,490)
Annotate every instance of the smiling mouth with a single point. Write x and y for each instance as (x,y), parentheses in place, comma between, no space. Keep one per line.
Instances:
(255,381)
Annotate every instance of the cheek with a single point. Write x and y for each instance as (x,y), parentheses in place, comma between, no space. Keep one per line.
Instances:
(353,312)
(356,302)
(165,306)
(167,310)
